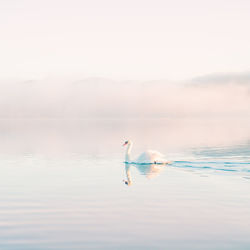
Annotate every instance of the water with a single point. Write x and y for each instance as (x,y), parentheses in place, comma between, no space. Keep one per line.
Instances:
(63,185)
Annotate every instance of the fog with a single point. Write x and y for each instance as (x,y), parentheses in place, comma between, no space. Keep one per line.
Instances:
(215,95)
(89,113)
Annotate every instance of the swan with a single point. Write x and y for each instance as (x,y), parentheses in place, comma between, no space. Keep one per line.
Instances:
(148,157)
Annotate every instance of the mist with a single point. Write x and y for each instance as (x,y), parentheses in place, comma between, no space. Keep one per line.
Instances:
(222,96)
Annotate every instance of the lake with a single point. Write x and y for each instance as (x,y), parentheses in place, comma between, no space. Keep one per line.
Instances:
(63,184)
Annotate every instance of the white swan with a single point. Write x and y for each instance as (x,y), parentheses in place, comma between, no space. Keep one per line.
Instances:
(148,157)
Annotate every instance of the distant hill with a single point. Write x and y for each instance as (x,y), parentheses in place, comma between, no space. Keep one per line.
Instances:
(223,78)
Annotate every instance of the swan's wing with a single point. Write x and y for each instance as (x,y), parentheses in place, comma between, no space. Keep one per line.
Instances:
(155,154)
(149,156)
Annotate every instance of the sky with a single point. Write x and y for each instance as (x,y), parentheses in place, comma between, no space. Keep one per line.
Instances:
(121,40)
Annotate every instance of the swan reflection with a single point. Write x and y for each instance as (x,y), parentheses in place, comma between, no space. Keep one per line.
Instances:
(148,170)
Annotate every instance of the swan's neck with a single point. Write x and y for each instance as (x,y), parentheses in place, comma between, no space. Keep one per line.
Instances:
(127,155)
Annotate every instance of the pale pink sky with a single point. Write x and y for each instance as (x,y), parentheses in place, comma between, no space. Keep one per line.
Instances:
(123,39)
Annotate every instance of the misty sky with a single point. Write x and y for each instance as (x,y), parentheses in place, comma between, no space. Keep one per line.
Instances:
(141,40)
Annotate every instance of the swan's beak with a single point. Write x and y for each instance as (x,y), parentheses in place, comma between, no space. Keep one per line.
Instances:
(125,144)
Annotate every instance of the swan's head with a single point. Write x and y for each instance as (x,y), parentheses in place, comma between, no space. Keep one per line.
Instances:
(127,143)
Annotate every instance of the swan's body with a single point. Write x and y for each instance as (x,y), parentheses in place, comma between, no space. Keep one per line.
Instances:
(148,157)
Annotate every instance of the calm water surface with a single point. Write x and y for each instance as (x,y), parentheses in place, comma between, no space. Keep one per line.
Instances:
(62,185)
